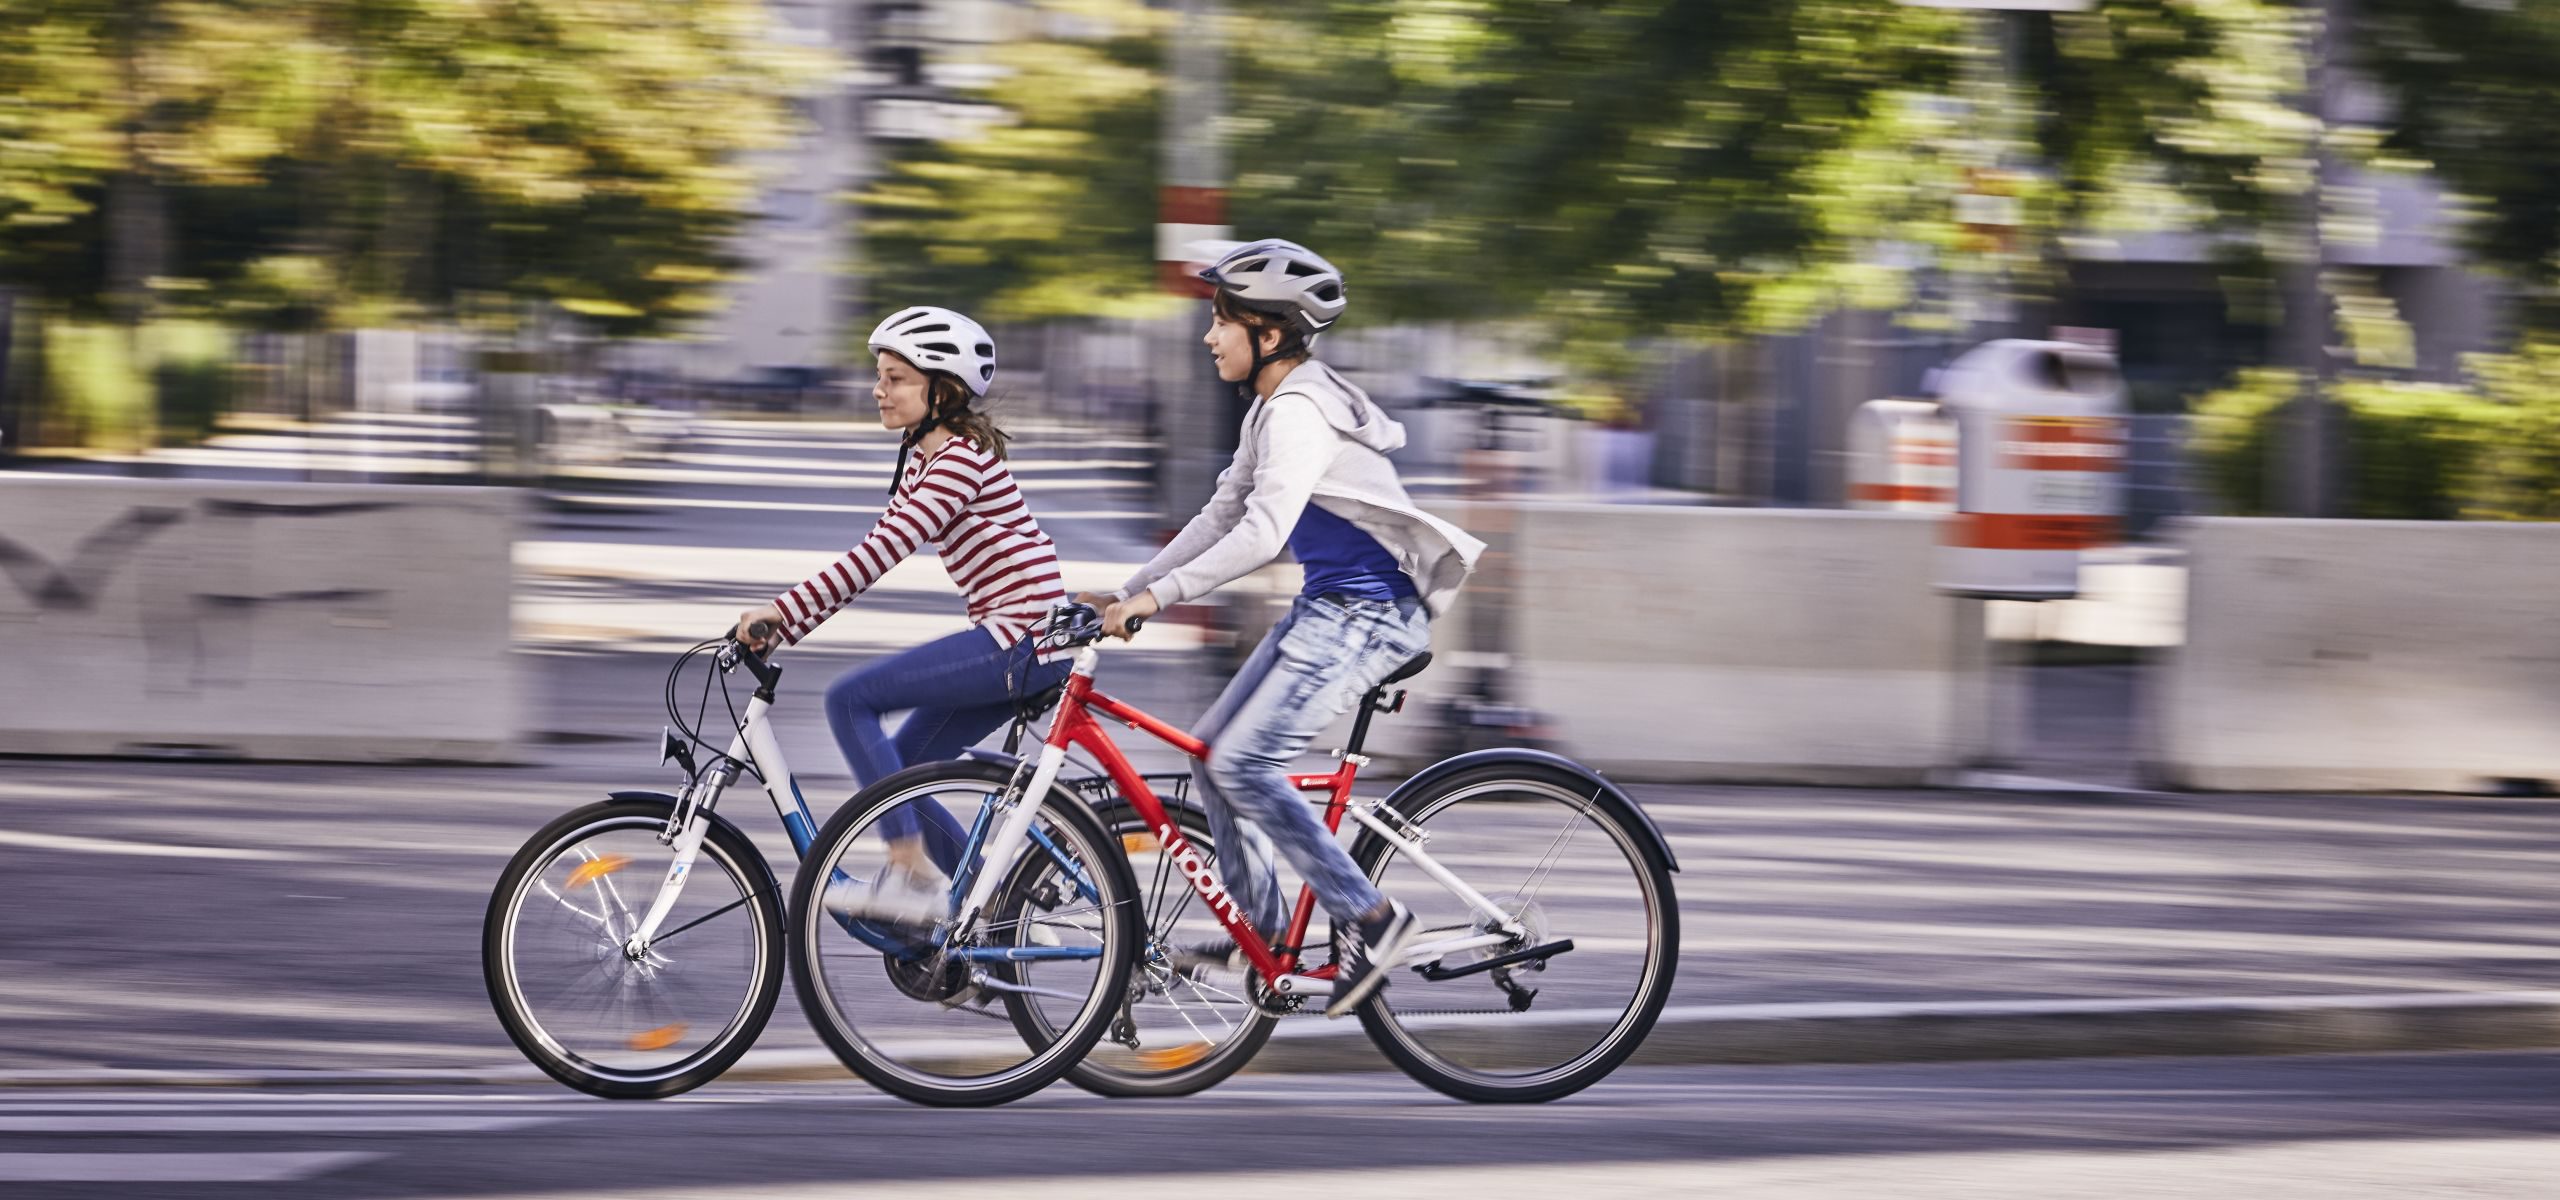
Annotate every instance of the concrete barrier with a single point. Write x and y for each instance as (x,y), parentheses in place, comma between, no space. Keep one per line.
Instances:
(1784,646)
(2362,656)
(193,617)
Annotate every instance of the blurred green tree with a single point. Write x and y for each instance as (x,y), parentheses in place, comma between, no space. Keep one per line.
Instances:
(2473,91)
(1623,170)
(1049,210)
(349,161)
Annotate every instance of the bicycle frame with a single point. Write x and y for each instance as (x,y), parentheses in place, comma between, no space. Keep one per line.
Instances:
(1076,726)
(756,746)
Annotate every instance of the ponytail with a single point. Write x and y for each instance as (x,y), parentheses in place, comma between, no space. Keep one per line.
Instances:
(949,399)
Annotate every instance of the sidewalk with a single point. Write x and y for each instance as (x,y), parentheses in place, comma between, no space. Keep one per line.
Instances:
(239,918)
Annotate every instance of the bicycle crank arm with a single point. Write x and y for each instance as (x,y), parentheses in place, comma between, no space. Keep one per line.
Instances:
(1435,972)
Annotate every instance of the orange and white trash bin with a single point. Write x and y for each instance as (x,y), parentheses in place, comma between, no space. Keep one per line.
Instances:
(2040,448)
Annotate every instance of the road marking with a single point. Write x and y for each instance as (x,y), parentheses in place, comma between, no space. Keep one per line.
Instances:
(87,845)
(176,1168)
(153,1124)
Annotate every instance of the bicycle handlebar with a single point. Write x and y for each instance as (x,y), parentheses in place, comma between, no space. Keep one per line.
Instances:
(1076,625)
(755,661)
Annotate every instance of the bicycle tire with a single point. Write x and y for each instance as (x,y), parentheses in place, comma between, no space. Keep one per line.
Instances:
(810,925)
(726,847)
(1659,960)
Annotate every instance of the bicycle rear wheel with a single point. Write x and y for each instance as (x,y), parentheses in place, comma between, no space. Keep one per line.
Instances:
(1178,1031)
(918,1011)
(598,1019)
(1569,864)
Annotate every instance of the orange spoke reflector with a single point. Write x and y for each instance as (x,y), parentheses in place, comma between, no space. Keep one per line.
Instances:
(659,1038)
(596,868)
(1139,843)
(1174,1058)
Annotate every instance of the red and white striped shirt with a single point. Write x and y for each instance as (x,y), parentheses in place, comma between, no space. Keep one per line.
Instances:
(964,500)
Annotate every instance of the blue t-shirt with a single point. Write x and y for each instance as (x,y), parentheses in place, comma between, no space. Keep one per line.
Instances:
(1339,558)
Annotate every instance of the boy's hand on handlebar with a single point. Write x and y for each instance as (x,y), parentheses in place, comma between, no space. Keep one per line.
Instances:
(1116,618)
(759,629)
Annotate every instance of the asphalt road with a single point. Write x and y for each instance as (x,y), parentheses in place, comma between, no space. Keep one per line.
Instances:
(2345,1128)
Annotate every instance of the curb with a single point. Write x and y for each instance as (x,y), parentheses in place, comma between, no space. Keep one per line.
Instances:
(1724,1035)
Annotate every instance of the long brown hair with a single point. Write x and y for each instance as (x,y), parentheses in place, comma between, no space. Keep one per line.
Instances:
(949,399)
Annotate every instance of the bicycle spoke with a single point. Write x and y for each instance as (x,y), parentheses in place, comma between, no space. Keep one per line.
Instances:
(670,935)
(597,917)
(1555,850)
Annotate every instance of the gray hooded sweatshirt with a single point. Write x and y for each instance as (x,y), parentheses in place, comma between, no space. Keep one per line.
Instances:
(1317,440)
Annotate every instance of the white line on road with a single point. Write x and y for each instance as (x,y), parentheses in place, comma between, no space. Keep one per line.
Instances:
(114,1167)
(147,1125)
(88,845)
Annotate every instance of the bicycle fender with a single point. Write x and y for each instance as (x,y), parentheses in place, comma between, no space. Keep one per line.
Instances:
(1523,756)
(998,757)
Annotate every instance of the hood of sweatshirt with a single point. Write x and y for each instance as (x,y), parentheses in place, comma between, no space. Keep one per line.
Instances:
(1348,409)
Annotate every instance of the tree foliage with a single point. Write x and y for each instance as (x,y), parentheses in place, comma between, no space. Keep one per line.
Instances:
(304,159)
(1620,169)
(2473,93)
(1050,211)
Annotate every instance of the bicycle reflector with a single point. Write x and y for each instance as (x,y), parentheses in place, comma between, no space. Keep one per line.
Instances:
(596,868)
(659,1038)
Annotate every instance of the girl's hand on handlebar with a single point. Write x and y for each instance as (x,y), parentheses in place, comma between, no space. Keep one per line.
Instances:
(1116,619)
(753,638)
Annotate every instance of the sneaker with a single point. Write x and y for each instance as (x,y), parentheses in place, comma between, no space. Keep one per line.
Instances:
(1216,954)
(1364,957)
(899,897)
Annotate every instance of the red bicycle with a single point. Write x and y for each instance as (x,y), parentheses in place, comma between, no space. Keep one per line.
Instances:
(1551,932)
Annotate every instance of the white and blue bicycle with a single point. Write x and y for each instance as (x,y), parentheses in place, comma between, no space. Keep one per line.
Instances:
(633,948)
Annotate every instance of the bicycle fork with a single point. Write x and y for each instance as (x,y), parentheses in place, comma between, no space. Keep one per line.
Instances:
(691,821)
(1010,836)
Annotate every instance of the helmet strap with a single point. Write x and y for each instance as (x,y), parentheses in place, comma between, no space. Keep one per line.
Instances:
(932,421)
(1250,389)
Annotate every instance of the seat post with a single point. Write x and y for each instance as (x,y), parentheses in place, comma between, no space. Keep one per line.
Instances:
(1360,724)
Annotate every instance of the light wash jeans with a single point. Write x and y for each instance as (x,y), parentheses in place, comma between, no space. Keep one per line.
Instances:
(1310,669)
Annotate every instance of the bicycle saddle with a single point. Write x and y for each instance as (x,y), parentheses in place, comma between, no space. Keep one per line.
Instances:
(1409,670)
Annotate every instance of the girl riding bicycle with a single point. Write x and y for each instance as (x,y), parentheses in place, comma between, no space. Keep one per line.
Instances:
(1311,475)
(951,490)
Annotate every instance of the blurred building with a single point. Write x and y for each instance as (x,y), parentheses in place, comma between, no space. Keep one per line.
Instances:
(913,67)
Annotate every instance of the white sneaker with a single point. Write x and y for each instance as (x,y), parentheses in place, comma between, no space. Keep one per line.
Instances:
(899,896)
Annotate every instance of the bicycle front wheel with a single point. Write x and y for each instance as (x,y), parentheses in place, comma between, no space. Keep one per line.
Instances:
(592,1015)
(917,1007)
(1532,1015)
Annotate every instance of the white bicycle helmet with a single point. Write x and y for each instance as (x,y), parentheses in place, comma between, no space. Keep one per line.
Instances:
(938,339)
(1284,279)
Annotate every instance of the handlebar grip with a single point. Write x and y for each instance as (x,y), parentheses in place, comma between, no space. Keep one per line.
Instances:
(1135,624)
(760,630)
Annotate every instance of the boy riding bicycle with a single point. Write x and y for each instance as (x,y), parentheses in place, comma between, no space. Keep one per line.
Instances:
(1310,474)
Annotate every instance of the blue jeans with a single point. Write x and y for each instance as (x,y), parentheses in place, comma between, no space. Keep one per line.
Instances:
(1310,669)
(956,690)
